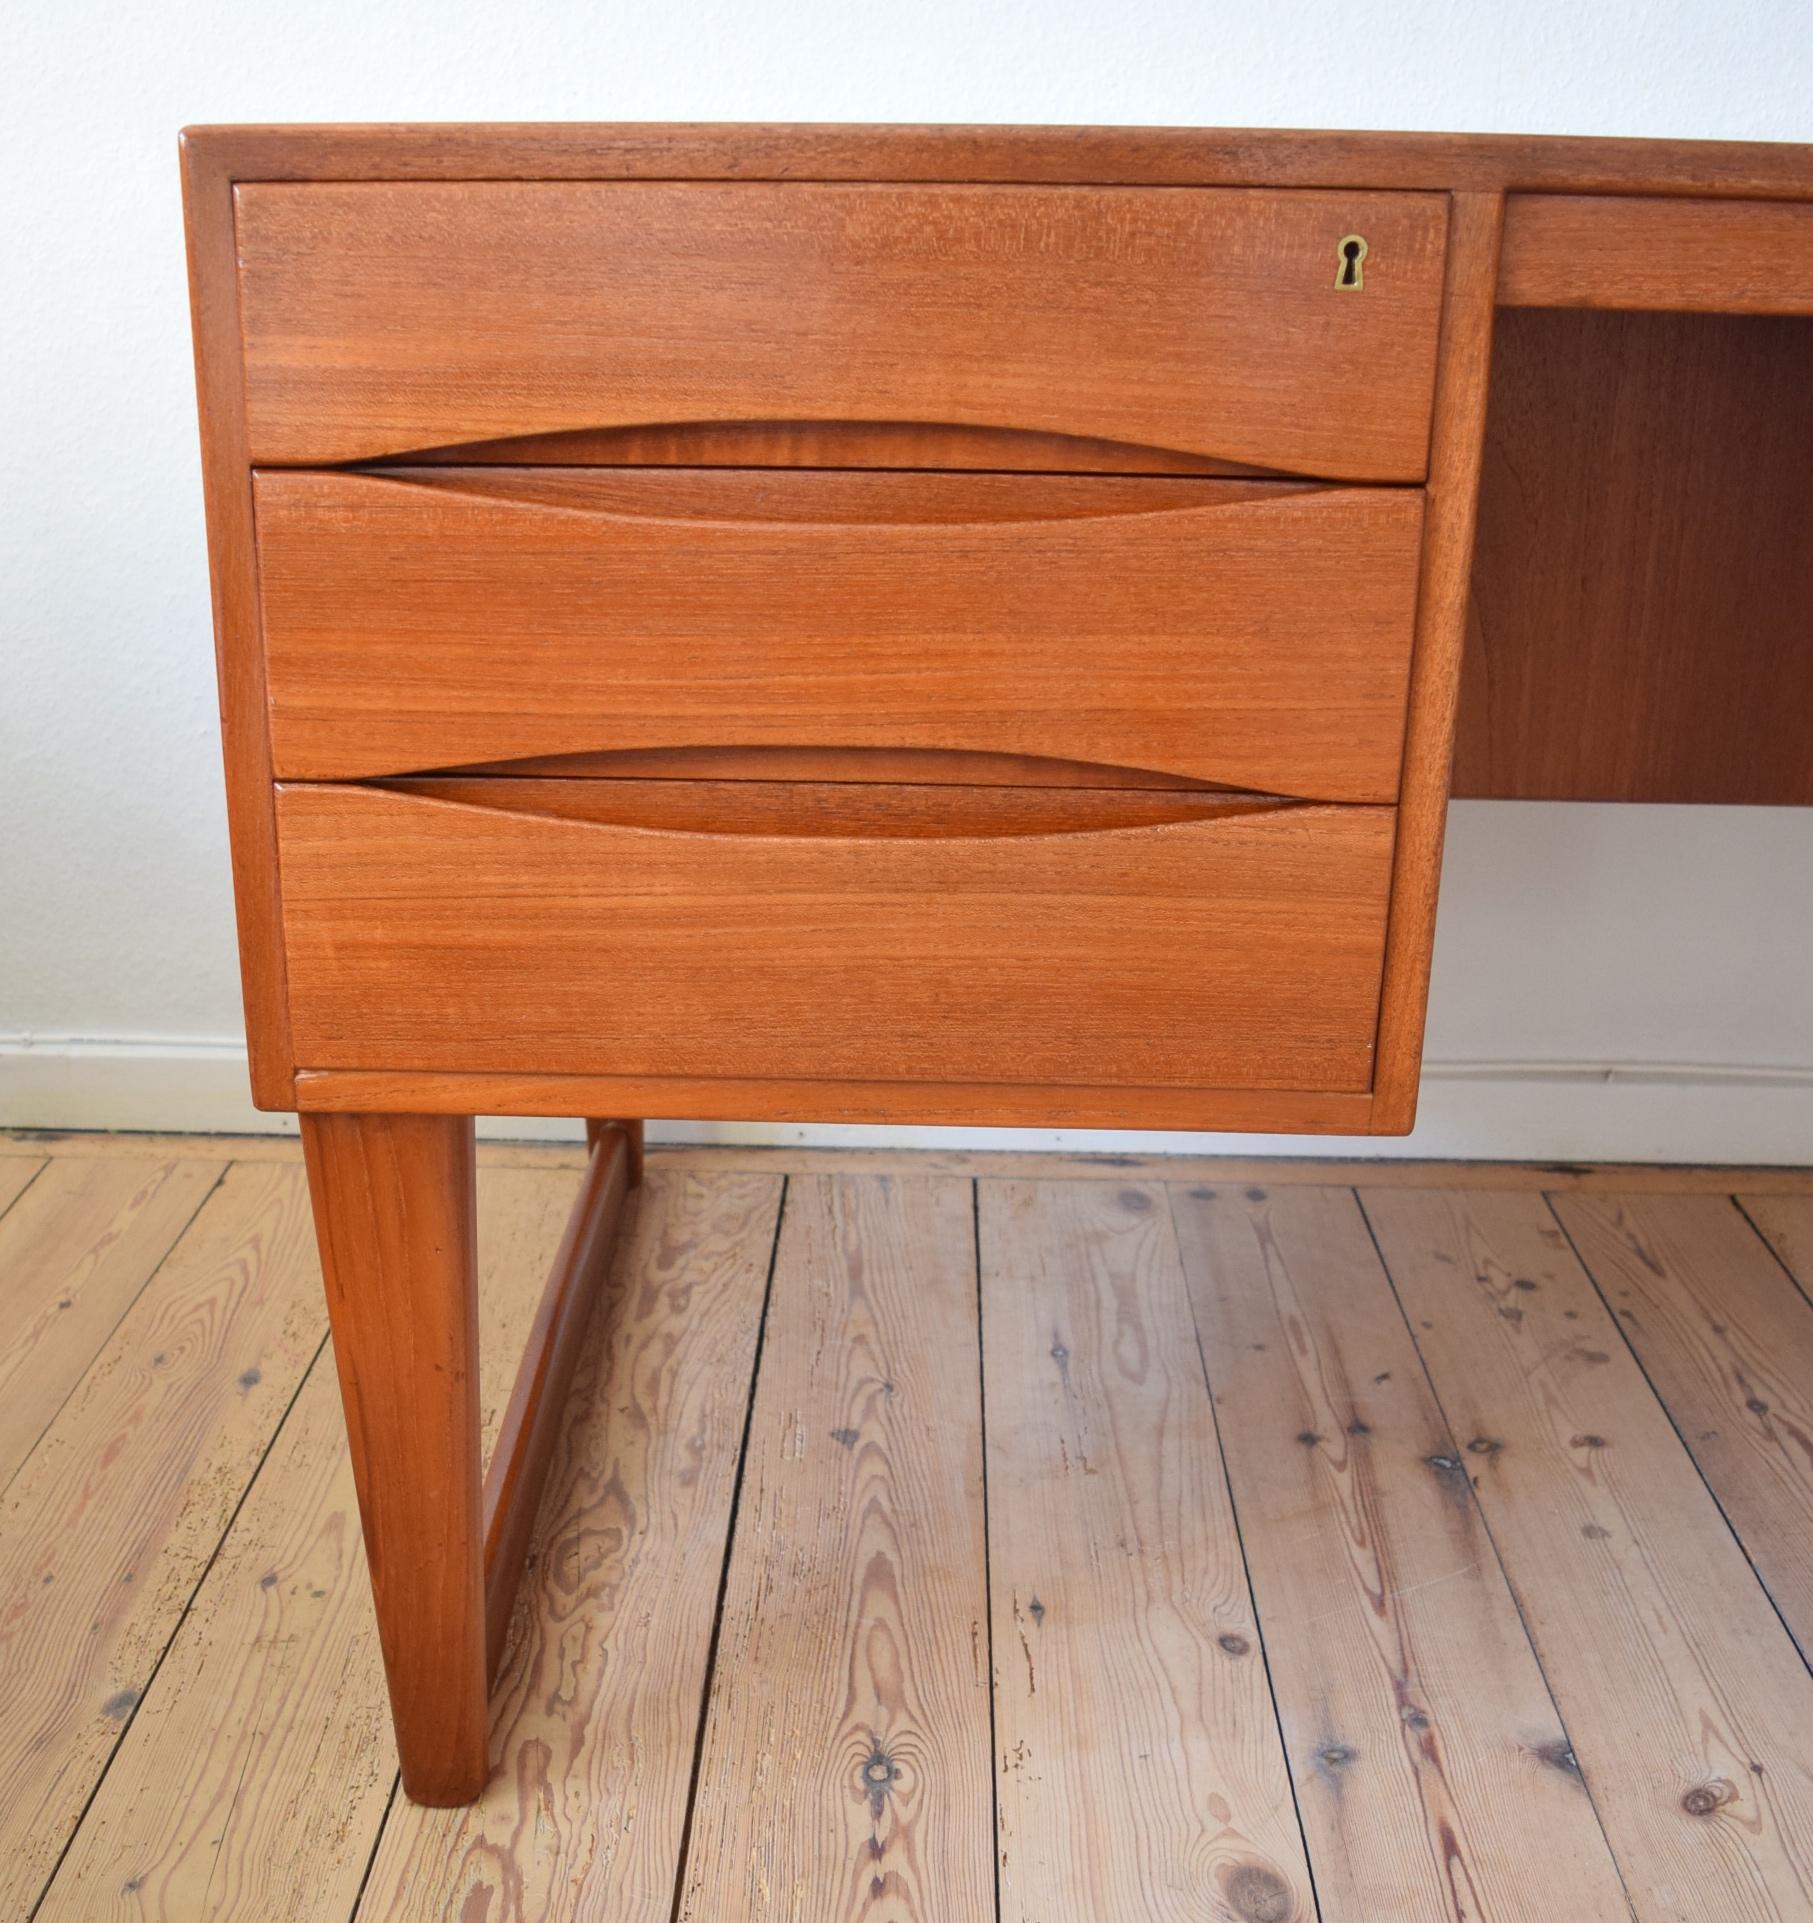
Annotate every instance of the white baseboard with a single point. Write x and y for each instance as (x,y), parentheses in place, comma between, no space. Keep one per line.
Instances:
(1491,1111)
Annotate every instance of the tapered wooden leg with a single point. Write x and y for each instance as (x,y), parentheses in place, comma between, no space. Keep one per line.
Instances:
(632,1136)
(395,1215)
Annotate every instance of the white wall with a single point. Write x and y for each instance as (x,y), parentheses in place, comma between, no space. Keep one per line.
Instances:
(1608,981)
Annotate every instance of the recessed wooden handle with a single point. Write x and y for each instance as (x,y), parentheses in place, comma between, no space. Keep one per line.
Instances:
(850,810)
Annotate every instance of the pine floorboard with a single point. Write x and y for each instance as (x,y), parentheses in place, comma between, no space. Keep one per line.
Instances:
(942,1538)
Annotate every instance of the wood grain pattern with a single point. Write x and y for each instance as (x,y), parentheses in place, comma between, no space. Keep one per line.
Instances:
(109,1526)
(829,444)
(1059,302)
(1257,636)
(1441,619)
(1706,256)
(1135,156)
(257,1771)
(598,1704)
(396,1222)
(1235,952)
(1685,1698)
(1424,1744)
(1726,1340)
(255,1775)
(75,1250)
(1140,1771)
(537,1407)
(377,316)
(207,172)
(250,1778)
(1639,627)
(845,1762)
(986,1104)
(858,503)
(866,810)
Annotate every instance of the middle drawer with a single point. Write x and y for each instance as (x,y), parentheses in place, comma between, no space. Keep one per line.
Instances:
(1250,634)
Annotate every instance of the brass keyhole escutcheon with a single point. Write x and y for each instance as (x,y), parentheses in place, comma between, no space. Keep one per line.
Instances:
(1351,273)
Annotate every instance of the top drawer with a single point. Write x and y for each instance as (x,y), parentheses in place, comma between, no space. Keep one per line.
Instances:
(1051,327)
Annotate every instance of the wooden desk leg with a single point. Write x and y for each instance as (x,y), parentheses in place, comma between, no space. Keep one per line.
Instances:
(396,1219)
(632,1136)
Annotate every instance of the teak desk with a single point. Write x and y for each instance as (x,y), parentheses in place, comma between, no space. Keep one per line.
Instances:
(927,624)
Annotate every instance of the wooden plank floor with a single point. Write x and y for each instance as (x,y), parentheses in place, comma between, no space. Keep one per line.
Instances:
(942,1540)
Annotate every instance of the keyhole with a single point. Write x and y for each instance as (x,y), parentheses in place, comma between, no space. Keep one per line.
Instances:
(1352,271)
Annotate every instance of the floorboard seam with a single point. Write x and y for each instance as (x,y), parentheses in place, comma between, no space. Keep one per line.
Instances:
(1743,1547)
(1775,1255)
(371,1859)
(26,1190)
(730,1538)
(156,1269)
(1485,1523)
(988,1578)
(264,1456)
(1246,1568)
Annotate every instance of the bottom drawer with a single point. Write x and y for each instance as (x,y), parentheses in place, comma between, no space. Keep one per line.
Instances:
(797,931)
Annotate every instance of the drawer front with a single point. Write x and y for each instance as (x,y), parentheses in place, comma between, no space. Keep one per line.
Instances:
(1102,327)
(1251,634)
(580,931)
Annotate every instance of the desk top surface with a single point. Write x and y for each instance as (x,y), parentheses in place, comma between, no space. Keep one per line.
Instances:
(1130,156)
